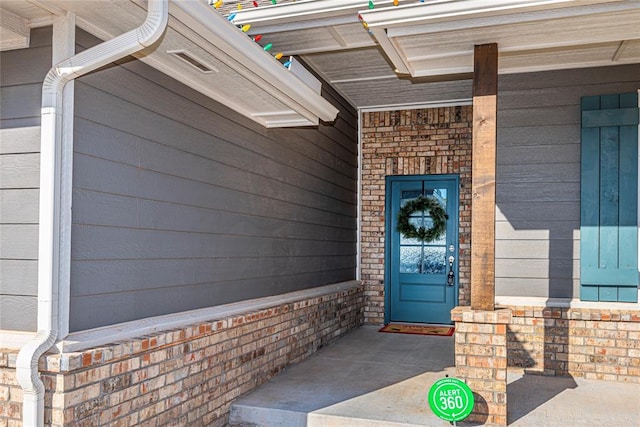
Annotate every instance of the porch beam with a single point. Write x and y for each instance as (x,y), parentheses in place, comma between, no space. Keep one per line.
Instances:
(483,186)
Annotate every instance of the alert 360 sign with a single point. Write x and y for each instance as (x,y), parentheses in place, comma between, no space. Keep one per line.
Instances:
(451,399)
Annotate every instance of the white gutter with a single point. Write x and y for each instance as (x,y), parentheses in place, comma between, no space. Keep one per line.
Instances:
(455,10)
(50,192)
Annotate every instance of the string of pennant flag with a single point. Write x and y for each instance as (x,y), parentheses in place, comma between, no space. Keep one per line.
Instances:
(217,4)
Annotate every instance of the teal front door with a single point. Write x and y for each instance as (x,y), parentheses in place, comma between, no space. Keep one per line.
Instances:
(421,276)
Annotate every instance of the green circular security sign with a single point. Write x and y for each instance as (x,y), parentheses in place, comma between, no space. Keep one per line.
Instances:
(451,399)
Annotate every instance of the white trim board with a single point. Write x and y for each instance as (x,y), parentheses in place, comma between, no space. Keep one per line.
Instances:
(417,105)
(564,303)
(14,340)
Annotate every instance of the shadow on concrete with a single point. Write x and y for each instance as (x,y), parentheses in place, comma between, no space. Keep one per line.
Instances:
(480,417)
(532,390)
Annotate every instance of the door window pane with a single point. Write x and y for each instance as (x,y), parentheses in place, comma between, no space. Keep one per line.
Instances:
(418,257)
(410,259)
(434,260)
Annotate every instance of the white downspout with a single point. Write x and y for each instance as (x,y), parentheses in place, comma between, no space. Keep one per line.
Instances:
(50,192)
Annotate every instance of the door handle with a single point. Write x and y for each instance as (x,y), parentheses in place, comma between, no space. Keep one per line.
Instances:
(451,275)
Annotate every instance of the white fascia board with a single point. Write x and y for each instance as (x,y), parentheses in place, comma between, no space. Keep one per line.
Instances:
(514,17)
(305,10)
(246,55)
(267,28)
(305,75)
(451,10)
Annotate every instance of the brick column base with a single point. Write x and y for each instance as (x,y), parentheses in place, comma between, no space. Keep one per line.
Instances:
(481,360)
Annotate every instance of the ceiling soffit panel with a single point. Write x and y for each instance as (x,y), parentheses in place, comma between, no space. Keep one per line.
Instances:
(531,35)
(403,93)
(349,65)
(595,55)
(301,41)
(313,40)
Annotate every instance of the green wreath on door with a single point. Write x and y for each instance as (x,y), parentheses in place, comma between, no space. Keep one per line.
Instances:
(423,234)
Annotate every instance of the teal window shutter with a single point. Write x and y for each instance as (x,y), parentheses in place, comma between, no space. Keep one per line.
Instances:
(609,198)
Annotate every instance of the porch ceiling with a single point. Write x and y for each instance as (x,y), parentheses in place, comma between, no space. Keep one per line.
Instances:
(414,53)
(422,52)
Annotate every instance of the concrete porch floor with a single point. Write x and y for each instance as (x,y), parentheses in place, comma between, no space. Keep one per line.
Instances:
(373,379)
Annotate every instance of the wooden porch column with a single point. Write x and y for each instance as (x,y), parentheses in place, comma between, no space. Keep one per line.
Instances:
(483,186)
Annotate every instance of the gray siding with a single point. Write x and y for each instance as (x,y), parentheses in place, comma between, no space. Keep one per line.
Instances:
(180,203)
(21,74)
(538,176)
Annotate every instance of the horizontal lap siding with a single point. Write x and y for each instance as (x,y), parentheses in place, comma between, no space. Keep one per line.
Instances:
(180,203)
(538,176)
(21,74)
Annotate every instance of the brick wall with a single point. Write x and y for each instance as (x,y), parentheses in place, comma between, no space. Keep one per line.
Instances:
(591,343)
(10,391)
(410,142)
(187,376)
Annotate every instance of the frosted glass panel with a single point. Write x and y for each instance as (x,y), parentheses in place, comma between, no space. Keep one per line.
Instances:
(434,260)
(418,257)
(410,259)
